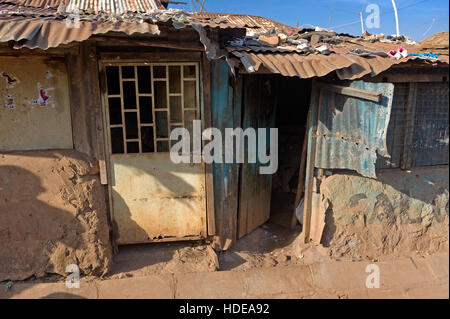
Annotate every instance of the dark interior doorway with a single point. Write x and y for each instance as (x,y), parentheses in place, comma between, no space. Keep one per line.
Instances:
(293,98)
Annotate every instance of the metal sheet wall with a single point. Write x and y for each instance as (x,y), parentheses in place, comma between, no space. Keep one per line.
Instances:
(431,127)
(395,134)
(352,131)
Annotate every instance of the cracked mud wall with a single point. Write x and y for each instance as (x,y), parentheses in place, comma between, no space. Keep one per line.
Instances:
(402,212)
(52,213)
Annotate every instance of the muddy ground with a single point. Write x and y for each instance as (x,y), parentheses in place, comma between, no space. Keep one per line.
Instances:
(269,246)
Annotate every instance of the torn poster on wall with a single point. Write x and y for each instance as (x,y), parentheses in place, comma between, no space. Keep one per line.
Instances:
(9,103)
(11,81)
(43,97)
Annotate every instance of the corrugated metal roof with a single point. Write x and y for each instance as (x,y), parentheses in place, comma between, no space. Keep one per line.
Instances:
(43,33)
(107,6)
(294,64)
(347,66)
(436,41)
(114,6)
(44,28)
(37,3)
(242,21)
(39,24)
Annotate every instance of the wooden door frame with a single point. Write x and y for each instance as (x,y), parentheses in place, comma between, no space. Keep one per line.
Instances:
(205,111)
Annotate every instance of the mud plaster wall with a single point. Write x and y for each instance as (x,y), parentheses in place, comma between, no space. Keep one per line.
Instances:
(34,104)
(402,212)
(52,213)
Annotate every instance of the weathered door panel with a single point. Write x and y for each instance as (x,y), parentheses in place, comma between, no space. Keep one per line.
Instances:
(351,130)
(259,110)
(154,199)
(346,131)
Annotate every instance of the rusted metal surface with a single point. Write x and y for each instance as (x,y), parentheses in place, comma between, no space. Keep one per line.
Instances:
(114,6)
(35,110)
(38,3)
(293,64)
(241,21)
(45,27)
(344,133)
(44,34)
(154,199)
(41,24)
(347,66)
(111,6)
(351,131)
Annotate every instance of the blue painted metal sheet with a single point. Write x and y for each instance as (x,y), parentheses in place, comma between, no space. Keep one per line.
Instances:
(225,176)
(351,131)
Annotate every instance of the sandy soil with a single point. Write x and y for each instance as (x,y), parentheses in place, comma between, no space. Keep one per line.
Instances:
(268,246)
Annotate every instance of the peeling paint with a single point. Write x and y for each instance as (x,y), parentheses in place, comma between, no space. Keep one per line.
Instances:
(43,97)
(9,103)
(11,80)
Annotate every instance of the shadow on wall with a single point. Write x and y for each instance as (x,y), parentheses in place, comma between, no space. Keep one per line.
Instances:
(123,220)
(402,211)
(154,198)
(30,229)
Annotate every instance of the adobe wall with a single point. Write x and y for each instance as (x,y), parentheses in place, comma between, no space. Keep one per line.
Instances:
(402,212)
(52,213)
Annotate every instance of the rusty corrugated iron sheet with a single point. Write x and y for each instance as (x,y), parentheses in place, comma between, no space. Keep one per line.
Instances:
(241,21)
(292,64)
(44,28)
(41,24)
(437,41)
(351,131)
(9,9)
(37,3)
(347,66)
(107,6)
(43,33)
(115,6)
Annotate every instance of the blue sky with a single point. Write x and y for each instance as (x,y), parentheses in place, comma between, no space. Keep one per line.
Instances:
(418,18)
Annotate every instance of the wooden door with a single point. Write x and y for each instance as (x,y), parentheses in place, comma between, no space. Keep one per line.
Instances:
(152,198)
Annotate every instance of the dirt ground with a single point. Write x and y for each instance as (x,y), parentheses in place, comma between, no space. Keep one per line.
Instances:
(268,246)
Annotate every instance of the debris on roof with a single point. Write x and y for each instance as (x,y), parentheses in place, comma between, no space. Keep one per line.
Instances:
(317,52)
(277,47)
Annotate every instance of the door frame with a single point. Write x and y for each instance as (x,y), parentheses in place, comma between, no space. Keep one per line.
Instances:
(204,77)
(314,214)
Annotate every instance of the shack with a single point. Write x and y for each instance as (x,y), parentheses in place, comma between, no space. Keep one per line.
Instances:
(92,90)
